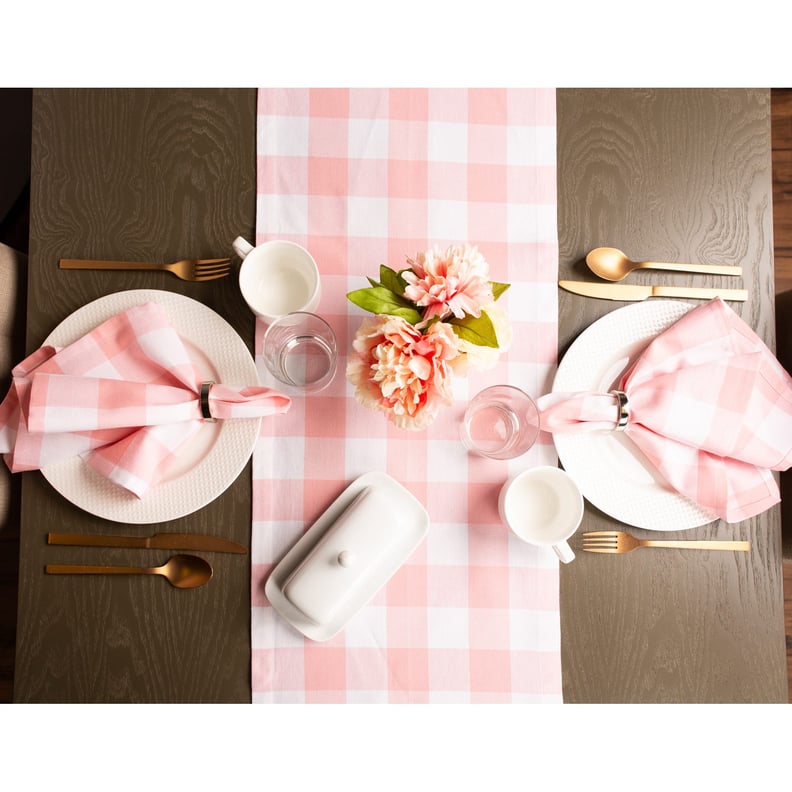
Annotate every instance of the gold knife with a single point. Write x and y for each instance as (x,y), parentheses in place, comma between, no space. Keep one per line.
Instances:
(618,291)
(160,541)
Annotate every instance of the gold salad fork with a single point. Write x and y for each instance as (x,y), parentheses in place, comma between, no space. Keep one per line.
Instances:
(621,542)
(186,269)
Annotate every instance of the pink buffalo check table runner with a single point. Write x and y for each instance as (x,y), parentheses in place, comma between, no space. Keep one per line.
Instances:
(364,177)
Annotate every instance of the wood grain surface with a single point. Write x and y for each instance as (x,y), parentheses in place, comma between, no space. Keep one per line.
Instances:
(140,175)
(670,175)
(664,174)
(782,186)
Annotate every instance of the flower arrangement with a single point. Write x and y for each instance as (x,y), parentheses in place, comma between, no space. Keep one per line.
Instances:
(434,318)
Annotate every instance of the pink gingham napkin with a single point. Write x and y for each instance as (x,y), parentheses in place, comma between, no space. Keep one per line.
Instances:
(125,397)
(364,177)
(709,406)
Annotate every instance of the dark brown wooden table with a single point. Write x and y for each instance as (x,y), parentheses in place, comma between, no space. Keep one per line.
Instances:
(165,174)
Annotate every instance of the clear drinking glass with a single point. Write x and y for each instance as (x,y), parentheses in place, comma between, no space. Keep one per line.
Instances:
(300,350)
(501,422)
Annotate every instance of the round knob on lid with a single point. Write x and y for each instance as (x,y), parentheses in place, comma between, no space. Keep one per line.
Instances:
(346,558)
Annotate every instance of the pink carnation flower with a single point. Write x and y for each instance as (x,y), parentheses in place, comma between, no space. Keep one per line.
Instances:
(455,282)
(399,371)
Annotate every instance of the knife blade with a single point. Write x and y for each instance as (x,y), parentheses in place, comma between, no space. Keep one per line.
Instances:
(632,293)
(159,541)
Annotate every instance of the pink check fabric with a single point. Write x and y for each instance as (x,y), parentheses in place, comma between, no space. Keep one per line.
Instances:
(710,407)
(364,177)
(125,397)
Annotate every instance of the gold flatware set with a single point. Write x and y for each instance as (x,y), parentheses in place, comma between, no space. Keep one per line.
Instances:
(611,264)
(181,570)
(622,542)
(197,270)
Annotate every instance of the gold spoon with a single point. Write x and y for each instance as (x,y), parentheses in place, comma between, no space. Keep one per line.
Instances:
(611,264)
(182,571)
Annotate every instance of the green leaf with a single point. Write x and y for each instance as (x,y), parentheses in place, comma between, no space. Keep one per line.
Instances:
(477,330)
(498,288)
(379,300)
(392,280)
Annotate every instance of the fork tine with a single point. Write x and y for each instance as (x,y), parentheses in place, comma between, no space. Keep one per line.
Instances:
(213,261)
(211,270)
(200,278)
(600,549)
(612,534)
(200,266)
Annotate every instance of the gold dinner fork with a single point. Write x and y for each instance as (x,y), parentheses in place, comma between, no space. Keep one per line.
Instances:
(186,269)
(621,542)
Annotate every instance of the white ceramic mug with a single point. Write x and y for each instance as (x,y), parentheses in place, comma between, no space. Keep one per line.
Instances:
(542,506)
(277,277)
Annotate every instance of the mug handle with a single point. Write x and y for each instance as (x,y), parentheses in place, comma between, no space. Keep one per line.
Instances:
(241,247)
(564,552)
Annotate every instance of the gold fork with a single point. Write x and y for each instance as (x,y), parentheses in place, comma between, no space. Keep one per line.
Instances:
(621,542)
(186,269)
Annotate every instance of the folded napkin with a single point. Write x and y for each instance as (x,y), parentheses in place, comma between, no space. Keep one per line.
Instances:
(707,403)
(125,397)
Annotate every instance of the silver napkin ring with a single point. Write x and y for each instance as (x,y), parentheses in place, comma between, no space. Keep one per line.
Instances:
(205,412)
(624,410)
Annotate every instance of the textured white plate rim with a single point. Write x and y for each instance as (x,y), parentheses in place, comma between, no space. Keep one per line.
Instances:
(610,470)
(208,472)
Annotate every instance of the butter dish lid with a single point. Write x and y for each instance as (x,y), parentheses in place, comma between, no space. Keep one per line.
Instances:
(347,555)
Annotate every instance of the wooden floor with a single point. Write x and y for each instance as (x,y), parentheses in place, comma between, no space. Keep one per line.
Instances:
(14,232)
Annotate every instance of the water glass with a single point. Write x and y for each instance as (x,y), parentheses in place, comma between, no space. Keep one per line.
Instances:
(300,351)
(501,422)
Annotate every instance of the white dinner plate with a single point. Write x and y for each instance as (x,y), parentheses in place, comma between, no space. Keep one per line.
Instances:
(208,463)
(610,470)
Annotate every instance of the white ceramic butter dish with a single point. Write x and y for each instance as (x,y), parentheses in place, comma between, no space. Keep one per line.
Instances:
(347,555)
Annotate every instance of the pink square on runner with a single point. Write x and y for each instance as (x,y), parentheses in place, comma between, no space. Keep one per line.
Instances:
(407,178)
(283,102)
(408,140)
(325,667)
(408,670)
(489,586)
(409,103)
(447,179)
(488,183)
(487,106)
(448,587)
(330,102)
(327,176)
(487,222)
(327,137)
(449,105)
(449,670)
(367,176)
(325,214)
(490,671)
(487,144)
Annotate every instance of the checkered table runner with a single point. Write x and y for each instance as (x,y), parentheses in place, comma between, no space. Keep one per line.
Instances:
(364,177)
